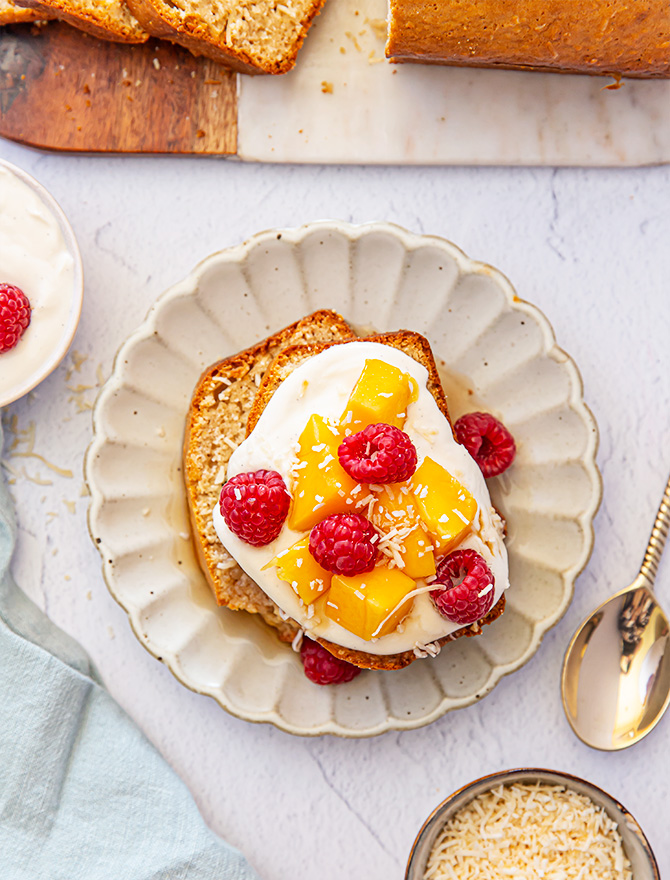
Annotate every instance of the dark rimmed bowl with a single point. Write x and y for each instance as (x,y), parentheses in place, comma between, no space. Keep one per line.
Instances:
(635,843)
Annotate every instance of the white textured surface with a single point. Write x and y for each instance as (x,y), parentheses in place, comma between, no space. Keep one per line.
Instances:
(344,103)
(590,249)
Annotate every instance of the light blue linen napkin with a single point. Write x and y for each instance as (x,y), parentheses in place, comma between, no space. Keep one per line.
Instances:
(83,794)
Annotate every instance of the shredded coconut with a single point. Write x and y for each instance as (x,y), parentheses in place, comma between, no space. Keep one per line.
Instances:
(530,831)
(226,564)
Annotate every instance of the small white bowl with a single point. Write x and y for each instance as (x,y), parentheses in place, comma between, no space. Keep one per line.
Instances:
(16,376)
(635,843)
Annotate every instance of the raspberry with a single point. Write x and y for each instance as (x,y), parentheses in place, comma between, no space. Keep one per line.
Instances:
(14,315)
(255,506)
(322,668)
(466,587)
(378,454)
(487,440)
(344,543)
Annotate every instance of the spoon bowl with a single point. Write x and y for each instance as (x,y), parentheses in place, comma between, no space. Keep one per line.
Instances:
(616,673)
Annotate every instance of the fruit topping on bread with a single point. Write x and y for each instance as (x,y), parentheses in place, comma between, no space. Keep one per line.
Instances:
(369,528)
(487,440)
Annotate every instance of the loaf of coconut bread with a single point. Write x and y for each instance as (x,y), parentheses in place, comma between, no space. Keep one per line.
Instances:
(228,401)
(608,37)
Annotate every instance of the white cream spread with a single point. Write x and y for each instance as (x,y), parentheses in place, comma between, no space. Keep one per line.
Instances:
(33,256)
(322,385)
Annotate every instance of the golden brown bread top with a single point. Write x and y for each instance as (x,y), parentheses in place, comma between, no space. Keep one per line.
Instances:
(606,37)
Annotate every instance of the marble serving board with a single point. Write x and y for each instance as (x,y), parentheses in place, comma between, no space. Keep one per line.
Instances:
(343,103)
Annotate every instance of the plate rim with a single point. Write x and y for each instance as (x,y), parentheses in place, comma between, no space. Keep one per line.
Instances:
(466,265)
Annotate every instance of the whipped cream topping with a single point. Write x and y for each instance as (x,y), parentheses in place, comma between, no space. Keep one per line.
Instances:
(33,256)
(323,385)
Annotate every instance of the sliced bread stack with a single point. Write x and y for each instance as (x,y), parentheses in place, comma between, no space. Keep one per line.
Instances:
(251,36)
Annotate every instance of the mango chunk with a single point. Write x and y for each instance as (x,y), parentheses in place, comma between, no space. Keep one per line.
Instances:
(297,566)
(394,513)
(381,394)
(445,506)
(321,486)
(370,605)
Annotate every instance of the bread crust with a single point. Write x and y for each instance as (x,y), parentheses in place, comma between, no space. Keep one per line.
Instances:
(602,37)
(159,20)
(10,13)
(98,26)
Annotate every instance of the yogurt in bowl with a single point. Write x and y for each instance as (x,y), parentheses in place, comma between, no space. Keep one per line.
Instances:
(38,254)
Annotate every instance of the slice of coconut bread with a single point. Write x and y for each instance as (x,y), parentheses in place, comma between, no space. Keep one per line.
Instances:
(107,19)
(251,36)
(10,13)
(216,425)
(226,405)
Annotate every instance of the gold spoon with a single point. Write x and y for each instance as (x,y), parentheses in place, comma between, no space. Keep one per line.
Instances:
(616,672)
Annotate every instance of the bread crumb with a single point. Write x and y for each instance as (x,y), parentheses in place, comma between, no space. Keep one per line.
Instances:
(71,506)
(89,595)
(110,632)
(327,87)
(353,40)
(378,27)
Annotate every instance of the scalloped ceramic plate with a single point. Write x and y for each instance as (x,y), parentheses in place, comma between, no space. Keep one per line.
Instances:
(491,344)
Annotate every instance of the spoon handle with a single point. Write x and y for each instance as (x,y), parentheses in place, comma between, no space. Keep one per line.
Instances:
(659,533)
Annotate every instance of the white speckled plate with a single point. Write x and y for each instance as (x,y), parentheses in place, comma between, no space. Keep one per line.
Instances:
(500,348)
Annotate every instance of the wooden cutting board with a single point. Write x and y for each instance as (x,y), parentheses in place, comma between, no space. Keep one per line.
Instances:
(64,90)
